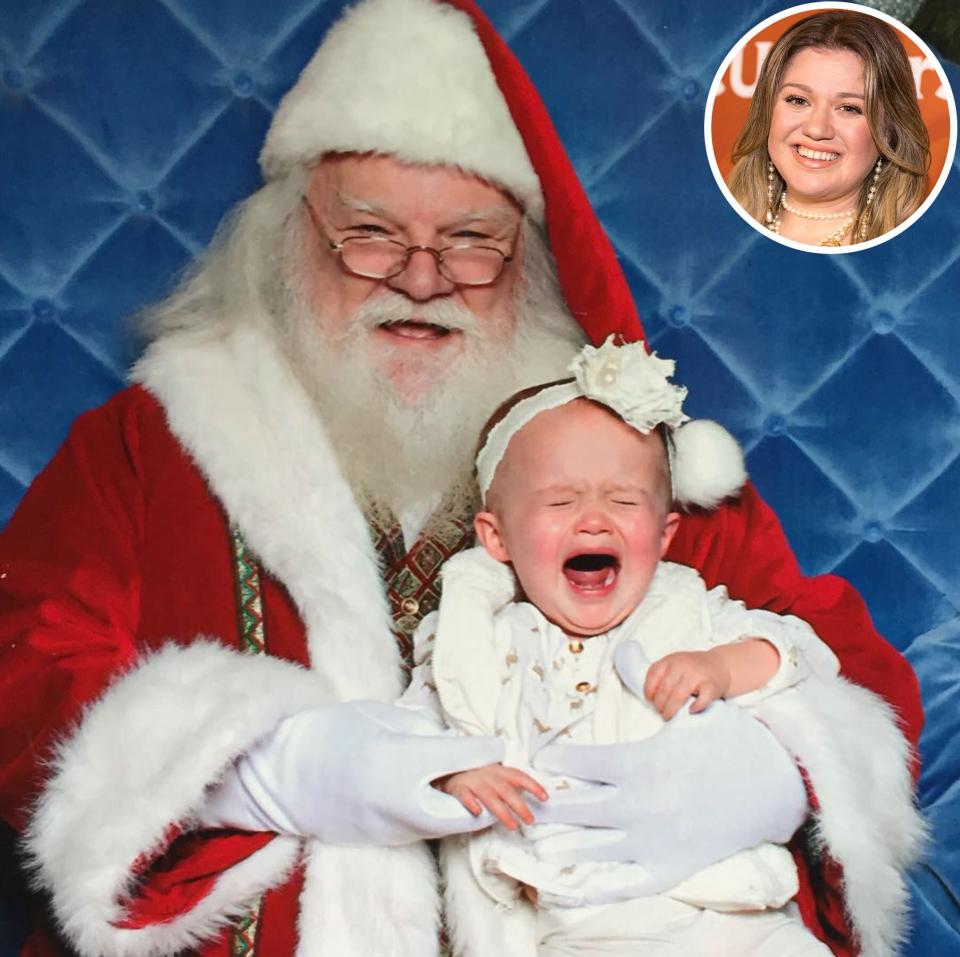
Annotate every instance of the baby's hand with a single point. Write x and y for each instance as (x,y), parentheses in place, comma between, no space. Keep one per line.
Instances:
(495,788)
(674,678)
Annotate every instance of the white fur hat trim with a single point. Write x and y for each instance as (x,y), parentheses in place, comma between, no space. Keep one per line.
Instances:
(408,78)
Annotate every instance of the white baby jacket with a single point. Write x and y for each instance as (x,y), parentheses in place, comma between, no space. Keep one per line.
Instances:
(520,677)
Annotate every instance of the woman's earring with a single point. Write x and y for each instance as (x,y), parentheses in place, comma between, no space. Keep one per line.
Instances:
(870,195)
(773,220)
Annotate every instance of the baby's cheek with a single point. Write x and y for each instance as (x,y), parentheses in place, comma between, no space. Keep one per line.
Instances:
(543,539)
(644,541)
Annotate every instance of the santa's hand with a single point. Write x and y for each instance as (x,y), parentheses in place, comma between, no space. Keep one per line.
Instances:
(701,789)
(353,773)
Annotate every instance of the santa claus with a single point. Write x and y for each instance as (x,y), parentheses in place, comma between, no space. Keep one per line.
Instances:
(208,596)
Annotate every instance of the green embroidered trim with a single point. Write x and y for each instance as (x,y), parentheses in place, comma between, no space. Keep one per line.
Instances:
(243,941)
(250,606)
(252,640)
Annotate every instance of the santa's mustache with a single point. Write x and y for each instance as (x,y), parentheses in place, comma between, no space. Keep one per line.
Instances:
(393,308)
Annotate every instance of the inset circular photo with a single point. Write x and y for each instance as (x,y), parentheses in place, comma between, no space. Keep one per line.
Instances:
(830,127)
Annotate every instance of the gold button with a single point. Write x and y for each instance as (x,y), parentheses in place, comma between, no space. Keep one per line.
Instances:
(575,647)
(409,606)
(406,624)
(584,686)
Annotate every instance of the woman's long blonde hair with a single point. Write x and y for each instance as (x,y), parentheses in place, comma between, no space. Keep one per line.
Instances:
(890,108)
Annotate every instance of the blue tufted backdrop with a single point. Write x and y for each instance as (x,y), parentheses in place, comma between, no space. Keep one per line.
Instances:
(128,127)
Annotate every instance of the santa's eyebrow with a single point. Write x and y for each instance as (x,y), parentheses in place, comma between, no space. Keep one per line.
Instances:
(361,205)
(809,89)
(498,216)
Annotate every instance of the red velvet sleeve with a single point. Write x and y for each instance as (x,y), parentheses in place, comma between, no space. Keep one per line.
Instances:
(69,596)
(70,590)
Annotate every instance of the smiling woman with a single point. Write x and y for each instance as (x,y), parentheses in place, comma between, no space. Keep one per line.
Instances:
(834,150)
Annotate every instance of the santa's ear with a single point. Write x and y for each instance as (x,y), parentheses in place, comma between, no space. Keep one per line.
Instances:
(487,527)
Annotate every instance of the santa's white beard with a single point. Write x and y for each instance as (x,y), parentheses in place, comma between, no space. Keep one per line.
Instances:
(404,453)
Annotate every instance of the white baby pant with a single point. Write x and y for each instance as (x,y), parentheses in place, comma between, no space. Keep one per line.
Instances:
(662,927)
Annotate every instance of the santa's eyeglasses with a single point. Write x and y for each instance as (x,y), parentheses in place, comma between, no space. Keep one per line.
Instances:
(376,257)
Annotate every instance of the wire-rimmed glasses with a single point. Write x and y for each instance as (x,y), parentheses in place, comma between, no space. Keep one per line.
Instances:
(377,257)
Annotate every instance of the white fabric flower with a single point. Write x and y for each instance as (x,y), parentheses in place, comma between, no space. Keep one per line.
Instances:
(631,382)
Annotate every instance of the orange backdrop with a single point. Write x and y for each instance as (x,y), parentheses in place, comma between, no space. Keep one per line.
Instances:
(731,104)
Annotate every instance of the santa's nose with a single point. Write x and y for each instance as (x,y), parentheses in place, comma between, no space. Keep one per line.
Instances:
(421,278)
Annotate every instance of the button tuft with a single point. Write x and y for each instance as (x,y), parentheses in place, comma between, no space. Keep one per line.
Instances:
(242,84)
(883,323)
(775,424)
(44,310)
(144,201)
(14,78)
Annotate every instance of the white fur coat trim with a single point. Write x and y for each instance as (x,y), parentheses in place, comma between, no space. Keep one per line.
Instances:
(409,78)
(369,902)
(847,740)
(240,412)
(123,778)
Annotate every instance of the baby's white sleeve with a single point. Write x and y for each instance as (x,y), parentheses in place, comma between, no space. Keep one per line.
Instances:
(801,652)
(421,694)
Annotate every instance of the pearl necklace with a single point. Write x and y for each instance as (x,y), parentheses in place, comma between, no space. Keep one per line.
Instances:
(834,238)
(831,239)
(805,215)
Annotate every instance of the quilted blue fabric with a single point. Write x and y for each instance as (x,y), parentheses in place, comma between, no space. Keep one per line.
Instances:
(127,129)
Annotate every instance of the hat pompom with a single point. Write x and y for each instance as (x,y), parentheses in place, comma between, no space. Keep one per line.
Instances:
(708,464)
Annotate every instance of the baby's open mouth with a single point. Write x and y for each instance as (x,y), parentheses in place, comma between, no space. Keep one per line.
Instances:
(592,572)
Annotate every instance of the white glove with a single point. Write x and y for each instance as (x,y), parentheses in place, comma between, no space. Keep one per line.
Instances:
(701,789)
(352,773)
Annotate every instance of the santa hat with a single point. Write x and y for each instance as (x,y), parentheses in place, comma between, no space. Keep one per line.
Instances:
(430,81)
(706,462)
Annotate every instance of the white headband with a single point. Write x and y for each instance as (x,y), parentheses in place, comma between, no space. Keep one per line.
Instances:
(706,463)
(624,378)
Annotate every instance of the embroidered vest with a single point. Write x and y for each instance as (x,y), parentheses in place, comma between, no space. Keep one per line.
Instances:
(411,577)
